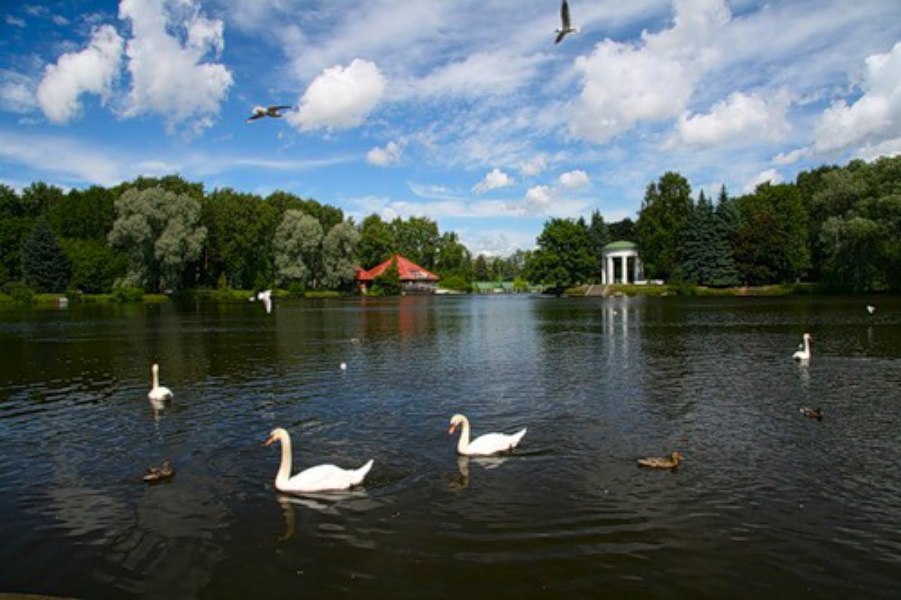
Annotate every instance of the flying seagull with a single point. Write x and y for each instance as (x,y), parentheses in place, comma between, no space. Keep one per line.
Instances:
(565,25)
(267,111)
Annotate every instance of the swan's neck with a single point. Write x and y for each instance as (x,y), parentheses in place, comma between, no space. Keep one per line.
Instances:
(463,444)
(284,469)
(155,378)
(806,345)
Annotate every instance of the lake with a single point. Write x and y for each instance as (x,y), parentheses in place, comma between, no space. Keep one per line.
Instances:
(766,501)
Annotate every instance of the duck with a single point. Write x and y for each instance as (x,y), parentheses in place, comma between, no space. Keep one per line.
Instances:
(803,353)
(813,413)
(158,394)
(161,473)
(321,478)
(484,445)
(259,112)
(565,25)
(655,462)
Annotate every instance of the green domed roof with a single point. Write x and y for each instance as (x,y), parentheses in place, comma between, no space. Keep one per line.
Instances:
(620,245)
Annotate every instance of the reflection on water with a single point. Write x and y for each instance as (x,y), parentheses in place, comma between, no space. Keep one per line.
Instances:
(766,500)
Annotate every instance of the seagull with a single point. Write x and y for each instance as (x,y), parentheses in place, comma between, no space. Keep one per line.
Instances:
(565,26)
(266,297)
(267,111)
(871,309)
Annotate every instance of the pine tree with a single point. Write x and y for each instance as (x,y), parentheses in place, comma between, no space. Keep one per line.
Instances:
(725,222)
(44,265)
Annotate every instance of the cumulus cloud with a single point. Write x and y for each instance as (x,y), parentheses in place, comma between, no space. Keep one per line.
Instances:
(169,77)
(495,179)
(741,118)
(15,21)
(94,70)
(790,158)
(875,117)
(383,157)
(624,84)
(340,97)
(574,179)
(768,176)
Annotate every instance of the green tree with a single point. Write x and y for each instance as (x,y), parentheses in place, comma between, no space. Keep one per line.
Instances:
(598,237)
(454,259)
(377,243)
(83,214)
(297,249)
(563,257)
(95,266)
(388,283)
(338,266)
(622,231)
(663,216)
(44,264)
(417,239)
(160,233)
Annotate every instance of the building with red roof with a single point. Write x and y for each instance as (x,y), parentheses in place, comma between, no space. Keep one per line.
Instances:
(413,278)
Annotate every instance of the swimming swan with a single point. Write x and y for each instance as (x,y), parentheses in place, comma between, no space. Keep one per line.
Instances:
(158,393)
(484,445)
(804,353)
(321,478)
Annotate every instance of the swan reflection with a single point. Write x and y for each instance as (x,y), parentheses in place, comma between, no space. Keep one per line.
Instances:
(486,462)
(323,502)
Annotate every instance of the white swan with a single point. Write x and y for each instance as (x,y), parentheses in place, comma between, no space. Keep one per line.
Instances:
(484,445)
(158,393)
(804,353)
(565,26)
(321,478)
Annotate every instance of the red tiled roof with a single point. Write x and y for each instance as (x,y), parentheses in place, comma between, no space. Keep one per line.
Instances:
(408,271)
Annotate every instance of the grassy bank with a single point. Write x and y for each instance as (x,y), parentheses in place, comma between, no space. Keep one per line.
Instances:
(622,289)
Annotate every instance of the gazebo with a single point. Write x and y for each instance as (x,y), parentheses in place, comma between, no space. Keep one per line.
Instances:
(620,252)
(413,278)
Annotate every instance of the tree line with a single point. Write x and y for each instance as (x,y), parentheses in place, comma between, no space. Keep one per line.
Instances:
(837,226)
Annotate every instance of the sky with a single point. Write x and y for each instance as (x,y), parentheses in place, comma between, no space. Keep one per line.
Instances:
(463,112)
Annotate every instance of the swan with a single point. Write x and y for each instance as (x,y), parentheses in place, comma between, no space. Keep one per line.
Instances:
(321,478)
(158,393)
(484,445)
(804,353)
(259,112)
(565,26)
(662,463)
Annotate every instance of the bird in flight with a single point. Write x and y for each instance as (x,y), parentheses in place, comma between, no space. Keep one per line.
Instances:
(266,111)
(565,24)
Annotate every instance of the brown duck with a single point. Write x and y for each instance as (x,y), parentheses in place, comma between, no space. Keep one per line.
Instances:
(161,473)
(661,462)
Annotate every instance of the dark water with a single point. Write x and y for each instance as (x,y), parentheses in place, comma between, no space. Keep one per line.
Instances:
(766,502)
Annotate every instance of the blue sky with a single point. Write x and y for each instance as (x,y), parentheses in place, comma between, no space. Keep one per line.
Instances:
(461,111)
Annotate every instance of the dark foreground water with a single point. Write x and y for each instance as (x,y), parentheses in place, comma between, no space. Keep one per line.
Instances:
(767,501)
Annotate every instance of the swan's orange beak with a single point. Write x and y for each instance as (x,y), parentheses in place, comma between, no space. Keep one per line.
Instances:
(452,428)
(269,441)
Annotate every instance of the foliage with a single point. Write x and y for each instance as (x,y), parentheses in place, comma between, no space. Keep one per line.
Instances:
(44,264)
(455,282)
(95,266)
(338,267)
(296,245)
(124,292)
(21,294)
(388,283)
(563,257)
(377,242)
(664,214)
(161,233)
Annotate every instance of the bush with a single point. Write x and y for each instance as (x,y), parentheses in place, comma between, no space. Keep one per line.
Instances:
(122,292)
(20,293)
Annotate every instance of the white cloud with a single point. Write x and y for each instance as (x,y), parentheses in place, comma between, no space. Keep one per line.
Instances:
(875,117)
(533,166)
(494,179)
(383,157)
(624,84)
(741,118)
(60,157)
(168,75)
(15,21)
(93,70)
(575,179)
(479,74)
(340,97)
(768,176)
(790,158)
(16,92)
